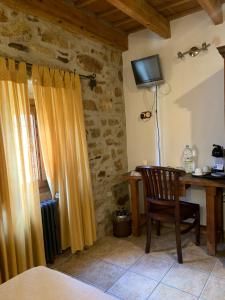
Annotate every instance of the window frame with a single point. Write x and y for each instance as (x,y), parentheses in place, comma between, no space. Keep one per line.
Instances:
(42,183)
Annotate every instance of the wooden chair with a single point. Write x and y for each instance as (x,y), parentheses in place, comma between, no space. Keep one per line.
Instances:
(162,195)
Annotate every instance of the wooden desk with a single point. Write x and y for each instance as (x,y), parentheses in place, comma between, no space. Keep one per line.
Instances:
(214,209)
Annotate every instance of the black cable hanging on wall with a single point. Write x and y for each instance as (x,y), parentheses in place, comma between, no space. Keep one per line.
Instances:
(146,115)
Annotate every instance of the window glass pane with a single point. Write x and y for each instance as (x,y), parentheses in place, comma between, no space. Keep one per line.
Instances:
(35,161)
(37,155)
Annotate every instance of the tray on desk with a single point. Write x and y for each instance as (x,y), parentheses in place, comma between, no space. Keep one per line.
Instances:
(210,176)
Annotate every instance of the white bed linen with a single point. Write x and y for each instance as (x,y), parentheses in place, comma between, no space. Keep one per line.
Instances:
(41,283)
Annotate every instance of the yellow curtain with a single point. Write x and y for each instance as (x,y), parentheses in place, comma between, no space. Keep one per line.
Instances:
(21,237)
(60,117)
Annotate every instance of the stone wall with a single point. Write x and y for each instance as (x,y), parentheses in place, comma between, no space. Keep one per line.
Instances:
(27,38)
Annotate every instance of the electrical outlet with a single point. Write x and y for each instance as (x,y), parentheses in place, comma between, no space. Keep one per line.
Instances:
(145,115)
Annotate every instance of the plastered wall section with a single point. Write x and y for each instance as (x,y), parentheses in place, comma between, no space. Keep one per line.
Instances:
(191,102)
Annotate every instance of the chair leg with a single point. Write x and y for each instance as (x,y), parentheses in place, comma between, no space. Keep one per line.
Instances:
(197,228)
(149,231)
(158,228)
(178,243)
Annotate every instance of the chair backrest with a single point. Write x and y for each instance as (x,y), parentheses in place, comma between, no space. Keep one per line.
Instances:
(161,184)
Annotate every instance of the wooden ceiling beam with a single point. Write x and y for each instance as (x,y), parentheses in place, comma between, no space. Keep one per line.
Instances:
(123,22)
(108,13)
(184,13)
(145,14)
(72,20)
(214,9)
(132,30)
(85,3)
(169,5)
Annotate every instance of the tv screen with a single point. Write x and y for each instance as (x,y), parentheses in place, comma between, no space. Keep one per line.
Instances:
(147,71)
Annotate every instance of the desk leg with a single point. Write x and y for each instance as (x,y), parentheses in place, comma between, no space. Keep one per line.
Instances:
(135,207)
(219,202)
(211,211)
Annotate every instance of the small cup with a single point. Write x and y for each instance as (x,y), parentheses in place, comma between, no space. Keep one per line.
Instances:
(198,171)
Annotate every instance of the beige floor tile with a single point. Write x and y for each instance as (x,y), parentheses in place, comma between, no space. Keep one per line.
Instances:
(163,292)
(138,241)
(164,242)
(77,264)
(219,268)
(60,259)
(186,279)
(196,251)
(204,265)
(197,258)
(152,267)
(125,255)
(104,265)
(167,242)
(159,245)
(102,274)
(103,247)
(169,256)
(214,289)
(132,286)
(165,229)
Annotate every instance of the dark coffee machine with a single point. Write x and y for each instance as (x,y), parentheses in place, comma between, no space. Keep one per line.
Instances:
(218,154)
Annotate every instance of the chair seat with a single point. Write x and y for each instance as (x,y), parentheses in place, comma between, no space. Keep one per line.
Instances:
(167,213)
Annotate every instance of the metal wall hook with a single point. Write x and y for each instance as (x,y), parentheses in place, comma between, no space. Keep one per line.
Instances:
(91,78)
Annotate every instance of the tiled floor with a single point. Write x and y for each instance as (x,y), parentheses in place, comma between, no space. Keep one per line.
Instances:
(121,268)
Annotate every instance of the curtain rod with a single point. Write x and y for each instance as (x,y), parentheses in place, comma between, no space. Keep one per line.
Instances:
(91,77)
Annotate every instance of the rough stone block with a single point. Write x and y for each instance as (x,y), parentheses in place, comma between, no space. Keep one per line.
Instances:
(107,132)
(105,158)
(89,63)
(42,50)
(98,89)
(19,31)
(120,134)
(104,122)
(90,105)
(105,105)
(51,37)
(95,132)
(118,92)
(113,122)
(120,75)
(3,17)
(118,165)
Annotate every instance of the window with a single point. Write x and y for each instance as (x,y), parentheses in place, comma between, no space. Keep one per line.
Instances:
(37,155)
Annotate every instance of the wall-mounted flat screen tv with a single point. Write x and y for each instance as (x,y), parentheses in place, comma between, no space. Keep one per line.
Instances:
(147,71)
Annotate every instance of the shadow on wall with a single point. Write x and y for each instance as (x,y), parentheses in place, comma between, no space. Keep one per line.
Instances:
(206,104)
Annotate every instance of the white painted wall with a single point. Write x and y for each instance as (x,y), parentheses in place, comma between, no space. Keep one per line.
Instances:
(193,110)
